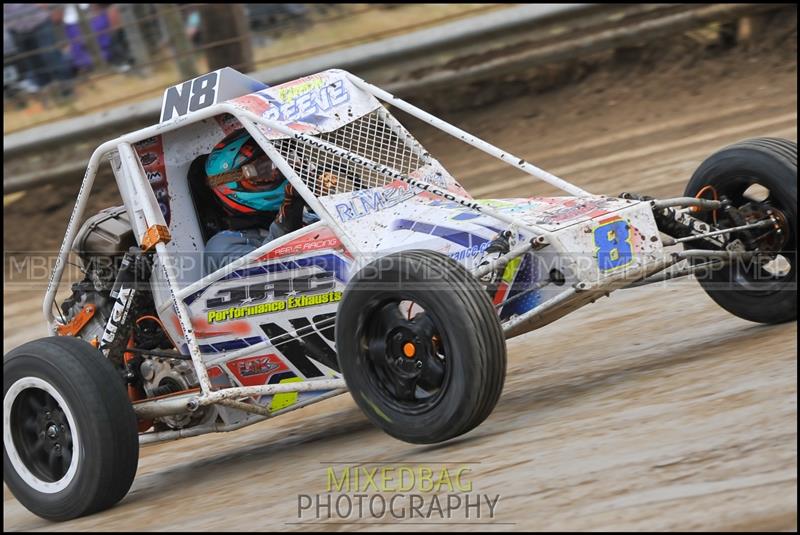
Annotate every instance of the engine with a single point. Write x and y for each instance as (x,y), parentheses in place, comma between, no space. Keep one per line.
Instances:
(99,245)
(161,376)
(103,246)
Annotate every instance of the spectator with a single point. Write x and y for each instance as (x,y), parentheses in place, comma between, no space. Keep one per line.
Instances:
(105,25)
(12,84)
(100,25)
(119,53)
(192,27)
(33,32)
(81,60)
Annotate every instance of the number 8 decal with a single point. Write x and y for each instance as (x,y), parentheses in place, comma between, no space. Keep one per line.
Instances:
(613,245)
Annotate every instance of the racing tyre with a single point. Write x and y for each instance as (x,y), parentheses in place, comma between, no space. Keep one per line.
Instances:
(70,442)
(420,346)
(759,176)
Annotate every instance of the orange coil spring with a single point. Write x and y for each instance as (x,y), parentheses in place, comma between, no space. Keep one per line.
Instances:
(715,196)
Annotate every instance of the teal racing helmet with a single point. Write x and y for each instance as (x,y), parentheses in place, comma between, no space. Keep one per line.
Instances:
(243,177)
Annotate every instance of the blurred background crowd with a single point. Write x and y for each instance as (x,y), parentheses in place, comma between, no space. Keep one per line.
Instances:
(47,43)
(61,60)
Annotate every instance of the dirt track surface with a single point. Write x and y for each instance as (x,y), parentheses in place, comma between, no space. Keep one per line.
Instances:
(652,409)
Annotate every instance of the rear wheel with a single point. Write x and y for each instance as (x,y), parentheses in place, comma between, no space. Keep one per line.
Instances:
(70,442)
(759,177)
(420,346)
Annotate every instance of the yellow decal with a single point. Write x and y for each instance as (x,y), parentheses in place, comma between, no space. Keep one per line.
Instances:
(281,401)
(511,270)
(288,94)
(302,301)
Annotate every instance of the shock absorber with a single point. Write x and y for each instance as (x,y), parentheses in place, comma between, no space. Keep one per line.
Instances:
(497,247)
(668,221)
(124,295)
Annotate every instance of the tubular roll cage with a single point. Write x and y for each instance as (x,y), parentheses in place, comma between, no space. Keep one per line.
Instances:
(141,195)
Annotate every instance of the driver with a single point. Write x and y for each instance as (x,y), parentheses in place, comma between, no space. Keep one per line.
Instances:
(249,185)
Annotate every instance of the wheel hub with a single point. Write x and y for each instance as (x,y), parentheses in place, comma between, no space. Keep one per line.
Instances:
(405,351)
(777,235)
(45,444)
(404,354)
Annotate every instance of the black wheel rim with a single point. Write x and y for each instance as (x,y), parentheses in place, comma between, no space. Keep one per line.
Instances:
(405,354)
(42,434)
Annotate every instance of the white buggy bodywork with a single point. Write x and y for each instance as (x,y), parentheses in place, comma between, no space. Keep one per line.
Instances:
(403,292)
(389,194)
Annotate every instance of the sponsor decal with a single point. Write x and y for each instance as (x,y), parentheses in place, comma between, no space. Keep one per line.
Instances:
(149,142)
(148,158)
(119,315)
(470,252)
(151,154)
(229,124)
(499,204)
(254,371)
(261,289)
(434,177)
(571,209)
(243,312)
(365,202)
(289,92)
(305,102)
(330,262)
(322,239)
(290,303)
(313,300)
(550,210)
(256,366)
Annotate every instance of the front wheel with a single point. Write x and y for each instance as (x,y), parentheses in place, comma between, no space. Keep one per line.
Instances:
(420,346)
(70,442)
(759,177)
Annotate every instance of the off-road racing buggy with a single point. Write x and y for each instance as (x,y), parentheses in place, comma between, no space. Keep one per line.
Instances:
(402,293)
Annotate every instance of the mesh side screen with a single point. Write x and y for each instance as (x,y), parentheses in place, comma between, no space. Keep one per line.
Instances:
(369,137)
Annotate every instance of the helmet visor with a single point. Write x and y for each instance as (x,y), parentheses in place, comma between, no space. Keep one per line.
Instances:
(260,174)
